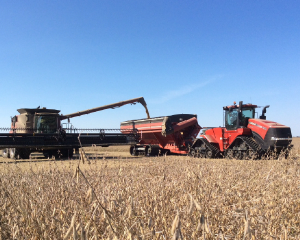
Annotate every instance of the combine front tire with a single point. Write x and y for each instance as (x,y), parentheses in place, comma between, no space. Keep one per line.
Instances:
(66,153)
(19,153)
(14,153)
(24,153)
(48,154)
(5,153)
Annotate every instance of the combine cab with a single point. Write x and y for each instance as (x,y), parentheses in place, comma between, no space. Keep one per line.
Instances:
(244,136)
(169,134)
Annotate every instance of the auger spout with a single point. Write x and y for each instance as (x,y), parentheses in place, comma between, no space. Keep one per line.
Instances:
(141,100)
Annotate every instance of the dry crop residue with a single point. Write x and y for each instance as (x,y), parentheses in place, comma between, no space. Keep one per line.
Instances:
(151,198)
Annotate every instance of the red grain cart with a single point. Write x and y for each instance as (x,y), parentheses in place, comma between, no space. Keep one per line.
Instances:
(168,134)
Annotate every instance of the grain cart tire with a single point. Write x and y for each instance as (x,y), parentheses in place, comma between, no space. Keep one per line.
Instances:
(153,151)
(133,151)
(5,153)
(146,151)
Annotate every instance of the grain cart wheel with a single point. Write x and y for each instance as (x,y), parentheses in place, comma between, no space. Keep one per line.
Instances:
(5,153)
(133,151)
(149,152)
(153,150)
(146,151)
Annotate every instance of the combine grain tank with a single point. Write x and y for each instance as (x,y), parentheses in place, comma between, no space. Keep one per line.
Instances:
(168,134)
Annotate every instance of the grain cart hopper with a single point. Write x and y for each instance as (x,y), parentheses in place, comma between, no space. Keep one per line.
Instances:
(244,136)
(168,134)
(40,129)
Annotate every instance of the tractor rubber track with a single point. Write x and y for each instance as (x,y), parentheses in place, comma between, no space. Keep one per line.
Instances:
(253,145)
(211,147)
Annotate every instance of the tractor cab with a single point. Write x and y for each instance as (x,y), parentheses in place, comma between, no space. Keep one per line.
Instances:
(237,116)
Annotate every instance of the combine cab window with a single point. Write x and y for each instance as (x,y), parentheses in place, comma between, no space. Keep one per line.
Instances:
(45,124)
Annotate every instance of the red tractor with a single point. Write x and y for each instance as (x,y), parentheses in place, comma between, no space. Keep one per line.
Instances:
(244,136)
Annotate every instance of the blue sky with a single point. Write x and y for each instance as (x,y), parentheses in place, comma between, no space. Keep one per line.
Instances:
(181,56)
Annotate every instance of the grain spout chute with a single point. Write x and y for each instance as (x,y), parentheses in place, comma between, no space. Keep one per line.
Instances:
(141,100)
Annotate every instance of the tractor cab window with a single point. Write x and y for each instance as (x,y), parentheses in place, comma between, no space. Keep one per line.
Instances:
(247,113)
(233,120)
(45,124)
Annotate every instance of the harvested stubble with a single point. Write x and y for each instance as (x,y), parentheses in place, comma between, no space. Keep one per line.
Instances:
(152,198)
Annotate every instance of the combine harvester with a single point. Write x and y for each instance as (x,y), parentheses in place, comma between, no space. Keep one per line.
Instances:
(243,137)
(42,130)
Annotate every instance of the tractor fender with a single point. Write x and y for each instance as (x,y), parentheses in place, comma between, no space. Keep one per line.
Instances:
(209,138)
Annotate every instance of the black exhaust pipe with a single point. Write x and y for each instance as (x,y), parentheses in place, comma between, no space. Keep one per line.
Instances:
(263,112)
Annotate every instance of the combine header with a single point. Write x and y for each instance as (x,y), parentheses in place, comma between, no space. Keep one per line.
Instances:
(169,134)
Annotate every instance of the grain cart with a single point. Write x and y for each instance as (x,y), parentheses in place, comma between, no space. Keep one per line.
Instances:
(244,136)
(167,134)
(41,130)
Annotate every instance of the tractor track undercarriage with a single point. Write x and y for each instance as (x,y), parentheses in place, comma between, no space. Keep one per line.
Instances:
(243,147)
(204,149)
